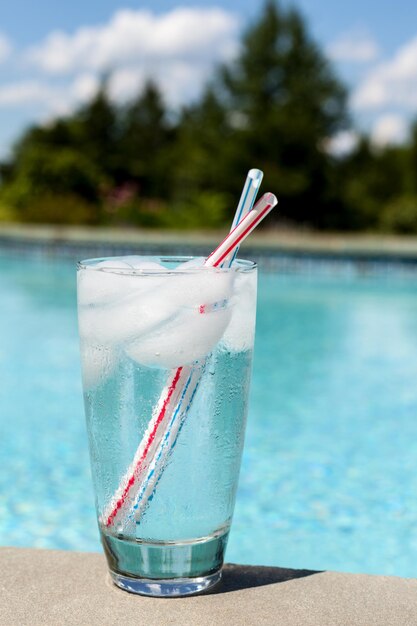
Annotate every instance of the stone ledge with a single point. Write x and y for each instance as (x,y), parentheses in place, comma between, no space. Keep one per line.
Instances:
(50,587)
(271,240)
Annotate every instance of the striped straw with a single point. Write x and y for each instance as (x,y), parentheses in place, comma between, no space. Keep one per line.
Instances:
(242,230)
(169,397)
(129,484)
(168,441)
(169,438)
(157,442)
(247,198)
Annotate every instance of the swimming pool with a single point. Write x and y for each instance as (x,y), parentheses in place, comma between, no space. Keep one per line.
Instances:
(329,475)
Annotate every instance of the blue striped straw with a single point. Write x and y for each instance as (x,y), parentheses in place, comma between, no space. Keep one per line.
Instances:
(250,189)
(168,442)
(155,470)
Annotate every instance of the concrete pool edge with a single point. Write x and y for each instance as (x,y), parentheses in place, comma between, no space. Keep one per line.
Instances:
(71,588)
(366,245)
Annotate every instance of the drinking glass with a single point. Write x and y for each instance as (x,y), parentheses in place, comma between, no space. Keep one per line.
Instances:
(166,352)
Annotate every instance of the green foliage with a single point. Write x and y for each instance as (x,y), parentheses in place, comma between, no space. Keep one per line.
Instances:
(287,101)
(145,144)
(207,208)
(148,213)
(274,107)
(369,180)
(7,213)
(40,177)
(203,148)
(94,131)
(55,208)
(400,215)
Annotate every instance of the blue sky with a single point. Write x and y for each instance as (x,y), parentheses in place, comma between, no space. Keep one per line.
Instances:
(51,55)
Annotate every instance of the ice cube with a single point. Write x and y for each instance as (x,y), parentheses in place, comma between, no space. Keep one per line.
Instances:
(189,337)
(197,311)
(197,261)
(138,262)
(240,332)
(156,301)
(207,286)
(111,279)
(124,318)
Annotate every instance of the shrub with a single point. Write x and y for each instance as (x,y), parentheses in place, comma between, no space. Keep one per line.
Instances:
(202,210)
(7,213)
(400,215)
(60,209)
(207,209)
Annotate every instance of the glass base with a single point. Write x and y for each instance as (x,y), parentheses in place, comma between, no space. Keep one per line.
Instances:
(169,588)
(165,560)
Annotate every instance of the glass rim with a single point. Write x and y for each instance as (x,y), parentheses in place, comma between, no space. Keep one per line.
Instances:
(239,265)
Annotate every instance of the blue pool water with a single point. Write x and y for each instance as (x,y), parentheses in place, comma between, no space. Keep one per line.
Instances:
(329,475)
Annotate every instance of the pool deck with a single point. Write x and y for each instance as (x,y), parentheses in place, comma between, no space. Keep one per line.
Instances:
(275,240)
(51,587)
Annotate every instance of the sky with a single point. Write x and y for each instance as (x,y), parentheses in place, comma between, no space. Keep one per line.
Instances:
(53,54)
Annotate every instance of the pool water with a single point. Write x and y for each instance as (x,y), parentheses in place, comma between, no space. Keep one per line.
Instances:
(329,474)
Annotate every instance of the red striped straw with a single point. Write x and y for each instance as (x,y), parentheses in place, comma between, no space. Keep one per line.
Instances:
(251,220)
(142,475)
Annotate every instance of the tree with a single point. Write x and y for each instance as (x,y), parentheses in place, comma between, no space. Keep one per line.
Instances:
(369,180)
(284,101)
(274,107)
(51,177)
(146,138)
(203,138)
(95,132)
(62,189)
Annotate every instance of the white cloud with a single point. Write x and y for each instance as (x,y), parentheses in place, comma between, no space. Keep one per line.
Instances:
(391,83)
(84,87)
(55,99)
(5,48)
(24,92)
(343,143)
(356,47)
(389,128)
(177,49)
(179,81)
(125,82)
(130,37)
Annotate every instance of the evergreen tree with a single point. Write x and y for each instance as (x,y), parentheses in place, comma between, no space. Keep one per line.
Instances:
(146,143)
(284,102)
(412,168)
(203,140)
(200,197)
(274,107)
(371,179)
(96,133)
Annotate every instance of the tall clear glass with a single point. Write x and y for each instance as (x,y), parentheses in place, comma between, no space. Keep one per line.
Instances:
(165,339)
